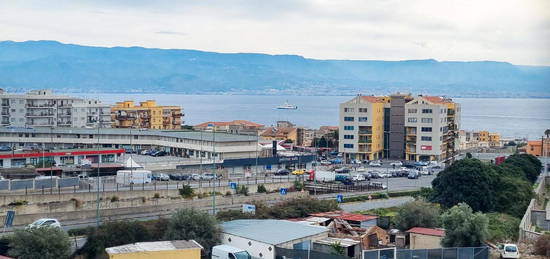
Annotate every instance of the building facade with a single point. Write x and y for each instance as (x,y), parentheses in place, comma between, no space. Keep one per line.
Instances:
(233,127)
(399,127)
(146,115)
(41,108)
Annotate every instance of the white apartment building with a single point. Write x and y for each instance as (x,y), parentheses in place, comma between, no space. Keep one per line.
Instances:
(41,108)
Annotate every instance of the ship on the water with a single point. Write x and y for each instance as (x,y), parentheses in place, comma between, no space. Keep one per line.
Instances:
(287,106)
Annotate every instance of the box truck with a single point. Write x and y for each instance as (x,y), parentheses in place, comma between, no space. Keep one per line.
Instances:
(127,177)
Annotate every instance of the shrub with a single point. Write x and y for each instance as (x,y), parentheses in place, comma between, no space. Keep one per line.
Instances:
(417,213)
(157,195)
(542,245)
(261,189)
(228,193)
(43,243)
(463,227)
(114,199)
(77,203)
(502,227)
(186,191)
(80,231)
(242,189)
(143,199)
(187,224)
(18,203)
(298,185)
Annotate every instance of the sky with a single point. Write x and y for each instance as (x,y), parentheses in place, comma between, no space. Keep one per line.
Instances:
(515,31)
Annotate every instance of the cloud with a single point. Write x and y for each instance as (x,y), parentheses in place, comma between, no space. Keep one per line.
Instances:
(515,31)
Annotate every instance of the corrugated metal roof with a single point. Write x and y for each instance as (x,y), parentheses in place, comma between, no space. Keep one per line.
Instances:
(153,246)
(270,231)
(344,242)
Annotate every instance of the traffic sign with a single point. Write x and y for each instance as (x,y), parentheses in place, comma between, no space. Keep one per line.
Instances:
(8,221)
(340,198)
(249,208)
(283,191)
(233,186)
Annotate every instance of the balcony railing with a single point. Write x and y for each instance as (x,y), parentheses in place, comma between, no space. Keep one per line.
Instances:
(365,141)
(39,114)
(42,105)
(365,132)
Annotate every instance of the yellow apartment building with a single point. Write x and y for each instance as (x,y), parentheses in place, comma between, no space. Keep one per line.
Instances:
(146,115)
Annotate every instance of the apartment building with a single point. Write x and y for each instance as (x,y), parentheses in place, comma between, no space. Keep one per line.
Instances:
(361,132)
(233,127)
(41,108)
(400,127)
(146,115)
(479,139)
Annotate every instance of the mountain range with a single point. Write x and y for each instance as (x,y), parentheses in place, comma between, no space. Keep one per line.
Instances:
(75,68)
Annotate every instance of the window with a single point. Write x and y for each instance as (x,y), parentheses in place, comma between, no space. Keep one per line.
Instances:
(348,136)
(412,110)
(348,109)
(363,119)
(362,109)
(426,110)
(348,145)
(426,129)
(424,138)
(348,127)
(411,119)
(427,120)
(348,118)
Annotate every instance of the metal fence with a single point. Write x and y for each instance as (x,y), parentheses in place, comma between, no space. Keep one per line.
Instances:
(37,184)
(284,253)
(438,253)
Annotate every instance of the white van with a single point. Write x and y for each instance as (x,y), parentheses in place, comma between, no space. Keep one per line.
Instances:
(127,177)
(229,252)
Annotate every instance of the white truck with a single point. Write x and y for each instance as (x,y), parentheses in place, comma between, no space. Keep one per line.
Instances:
(229,252)
(325,176)
(127,177)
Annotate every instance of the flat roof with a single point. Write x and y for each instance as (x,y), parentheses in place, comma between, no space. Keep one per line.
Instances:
(60,152)
(195,135)
(154,246)
(270,231)
(427,231)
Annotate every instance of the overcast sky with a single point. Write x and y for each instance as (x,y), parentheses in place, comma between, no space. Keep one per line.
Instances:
(516,31)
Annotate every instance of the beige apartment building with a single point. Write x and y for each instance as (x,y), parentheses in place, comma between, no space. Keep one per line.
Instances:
(400,127)
(146,115)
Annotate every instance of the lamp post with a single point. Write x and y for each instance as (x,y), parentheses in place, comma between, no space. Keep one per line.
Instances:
(97,180)
(215,171)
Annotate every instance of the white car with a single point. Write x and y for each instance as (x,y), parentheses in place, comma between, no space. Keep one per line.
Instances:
(196,177)
(508,251)
(358,178)
(396,164)
(375,164)
(45,222)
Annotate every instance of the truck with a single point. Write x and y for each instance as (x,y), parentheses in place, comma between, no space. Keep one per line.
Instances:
(229,252)
(127,177)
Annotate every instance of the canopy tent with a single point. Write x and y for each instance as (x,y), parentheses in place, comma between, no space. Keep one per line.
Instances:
(131,164)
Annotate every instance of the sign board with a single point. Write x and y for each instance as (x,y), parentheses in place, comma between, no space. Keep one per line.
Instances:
(8,222)
(233,186)
(283,191)
(249,208)
(340,198)
(423,147)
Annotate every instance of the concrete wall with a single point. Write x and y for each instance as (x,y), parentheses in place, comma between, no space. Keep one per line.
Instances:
(254,249)
(424,241)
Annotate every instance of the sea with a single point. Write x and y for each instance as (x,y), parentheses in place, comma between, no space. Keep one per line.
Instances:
(512,118)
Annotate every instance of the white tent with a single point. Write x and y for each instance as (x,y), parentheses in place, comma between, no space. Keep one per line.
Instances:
(131,164)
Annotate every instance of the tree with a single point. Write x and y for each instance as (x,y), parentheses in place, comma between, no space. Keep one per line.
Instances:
(502,227)
(529,165)
(45,243)
(467,180)
(463,227)
(512,194)
(187,224)
(547,133)
(114,233)
(469,155)
(417,213)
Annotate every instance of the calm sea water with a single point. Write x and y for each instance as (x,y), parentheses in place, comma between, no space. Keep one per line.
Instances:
(510,117)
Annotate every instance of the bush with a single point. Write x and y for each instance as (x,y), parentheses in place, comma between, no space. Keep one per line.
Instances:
(417,213)
(187,224)
(542,245)
(80,231)
(46,243)
(463,227)
(242,189)
(114,199)
(157,195)
(298,185)
(186,191)
(228,193)
(261,189)
(228,215)
(77,203)
(502,227)
(18,203)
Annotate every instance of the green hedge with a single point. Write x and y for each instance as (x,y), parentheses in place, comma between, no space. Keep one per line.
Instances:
(380,195)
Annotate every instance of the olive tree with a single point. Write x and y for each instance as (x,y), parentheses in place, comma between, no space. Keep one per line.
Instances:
(187,224)
(418,213)
(463,227)
(44,243)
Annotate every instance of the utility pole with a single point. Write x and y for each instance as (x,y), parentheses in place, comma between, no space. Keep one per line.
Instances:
(215,172)
(98,180)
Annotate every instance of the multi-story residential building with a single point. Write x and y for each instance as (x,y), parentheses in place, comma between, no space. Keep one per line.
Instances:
(534,147)
(399,126)
(361,130)
(233,127)
(294,135)
(42,108)
(479,139)
(146,115)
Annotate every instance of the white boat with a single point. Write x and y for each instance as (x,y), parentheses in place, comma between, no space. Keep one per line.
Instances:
(287,106)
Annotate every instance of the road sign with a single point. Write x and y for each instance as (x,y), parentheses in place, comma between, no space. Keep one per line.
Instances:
(8,221)
(340,198)
(283,191)
(233,186)
(249,208)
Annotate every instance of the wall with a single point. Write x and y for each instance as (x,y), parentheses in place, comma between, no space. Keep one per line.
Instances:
(526,227)
(194,253)
(254,249)
(425,241)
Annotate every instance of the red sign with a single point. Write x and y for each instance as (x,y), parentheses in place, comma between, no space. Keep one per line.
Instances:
(425,147)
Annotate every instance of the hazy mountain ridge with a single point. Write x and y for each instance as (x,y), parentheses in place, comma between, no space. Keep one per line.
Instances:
(50,64)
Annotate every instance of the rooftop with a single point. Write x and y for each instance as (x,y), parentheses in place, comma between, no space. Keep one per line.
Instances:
(226,123)
(153,246)
(280,231)
(195,135)
(427,231)
(357,217)
(344,242)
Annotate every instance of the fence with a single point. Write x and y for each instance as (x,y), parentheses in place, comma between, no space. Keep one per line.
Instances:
(38,184)
(438,253)
(526,228)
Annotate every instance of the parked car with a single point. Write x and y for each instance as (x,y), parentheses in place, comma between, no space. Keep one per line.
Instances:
(5,148)
(367,176)
(45,222)
(396,164)
(146,152)
(508,251)
(129,151)
(413,175)
(159,153)
(325,162)
(299,172)
(196,177)
(375,164)
(358,178)
(210,176)
(342,170)
(375,174)
(422,163)
(161,177)
(178,177)
(282,172)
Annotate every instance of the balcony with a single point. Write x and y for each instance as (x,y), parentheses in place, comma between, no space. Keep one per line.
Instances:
(41,105)
(365,132)
(5,104)
(5,113)
(364,149)
(42,114)
(365,141)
